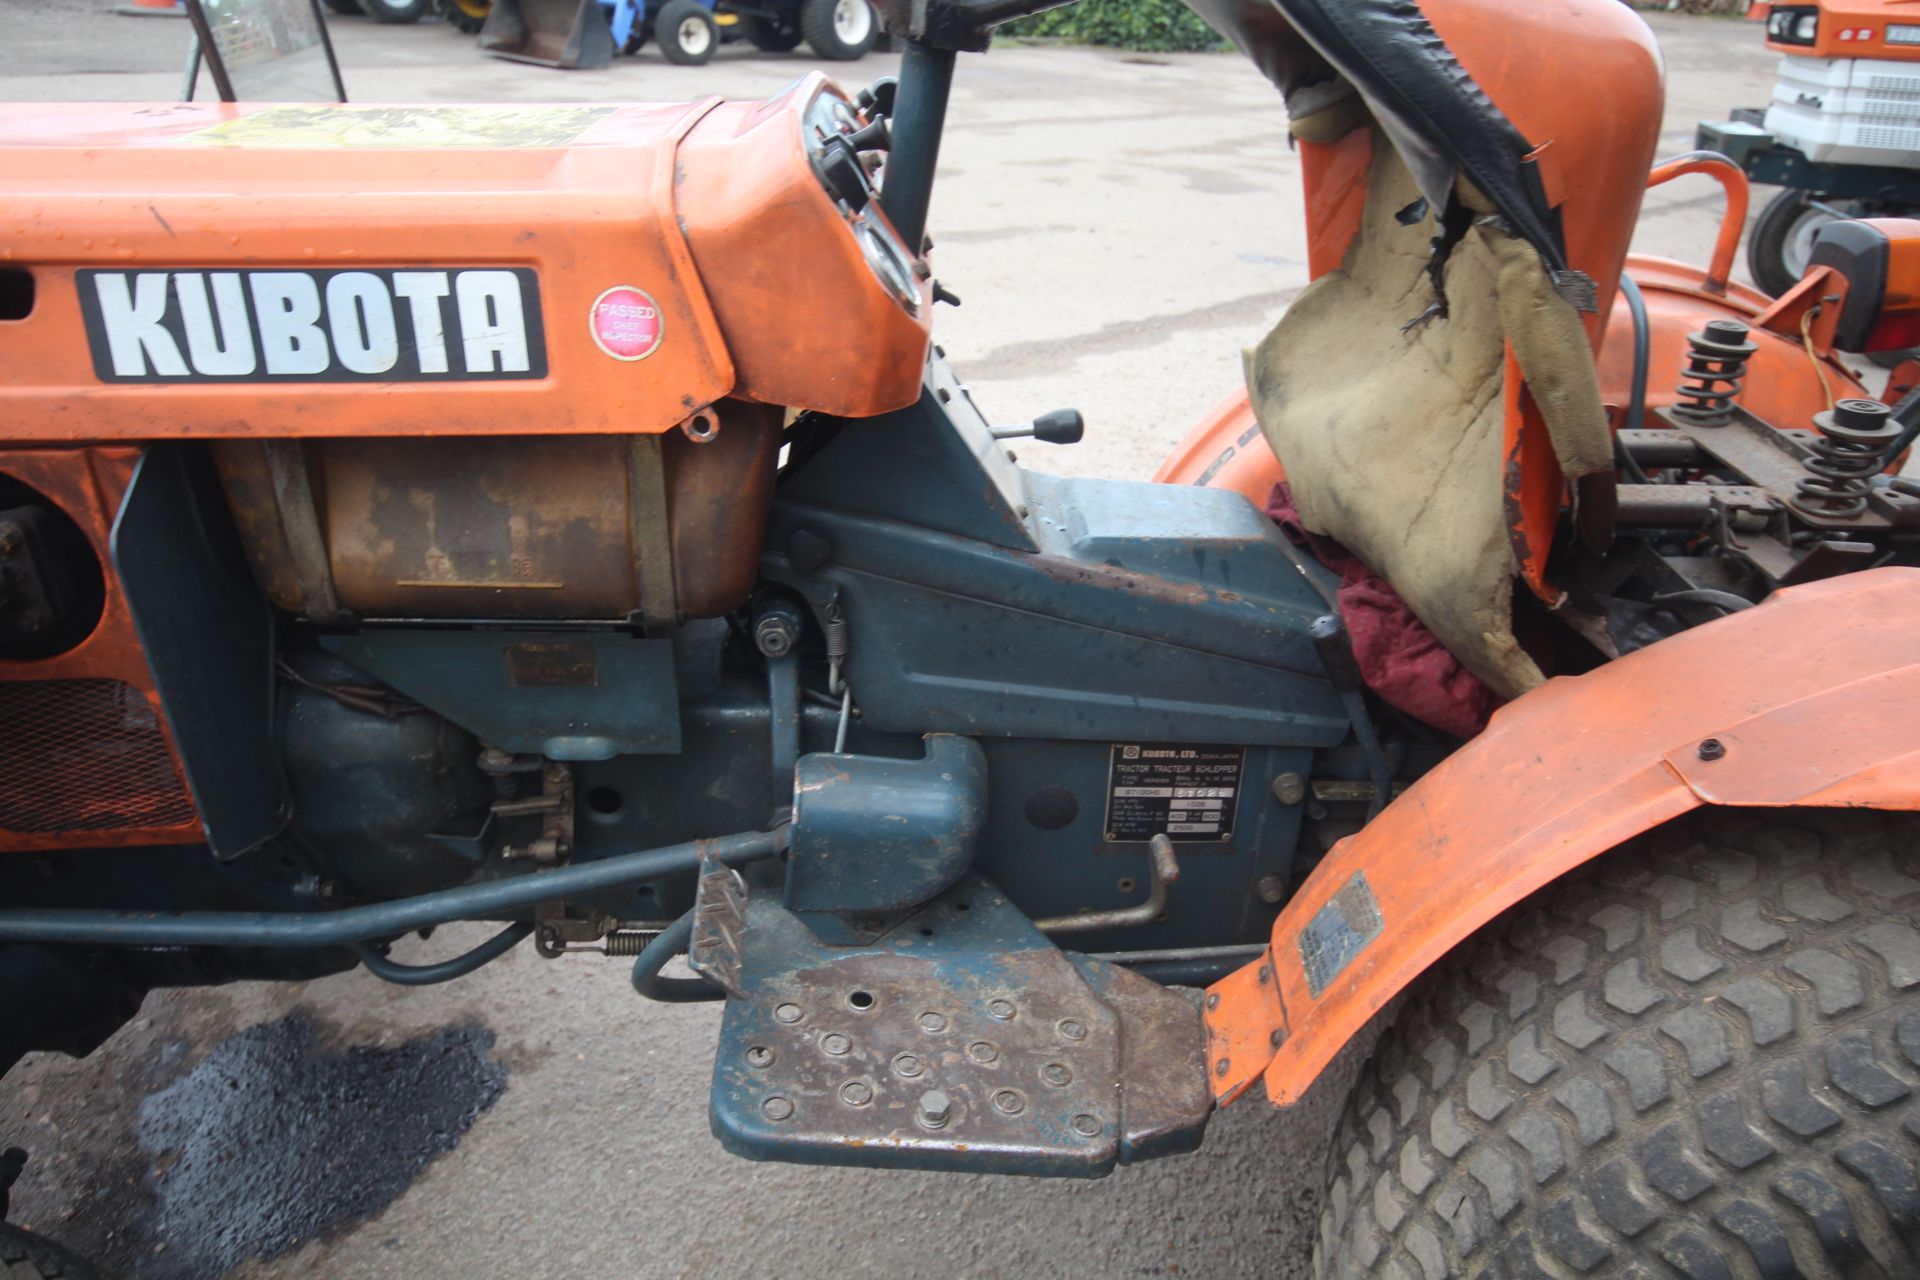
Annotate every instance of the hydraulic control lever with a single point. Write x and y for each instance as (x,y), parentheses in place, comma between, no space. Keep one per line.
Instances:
(877,98)
(1062,426)
(1335,647)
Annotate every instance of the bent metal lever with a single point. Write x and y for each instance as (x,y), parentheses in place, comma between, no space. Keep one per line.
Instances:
(1062,426)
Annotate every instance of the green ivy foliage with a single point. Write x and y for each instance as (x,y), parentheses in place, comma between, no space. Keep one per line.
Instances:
(1161,26)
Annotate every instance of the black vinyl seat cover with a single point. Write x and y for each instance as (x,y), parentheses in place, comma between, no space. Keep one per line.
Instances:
(1439,120)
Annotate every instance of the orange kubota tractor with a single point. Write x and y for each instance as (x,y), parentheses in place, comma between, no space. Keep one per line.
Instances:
(571,526)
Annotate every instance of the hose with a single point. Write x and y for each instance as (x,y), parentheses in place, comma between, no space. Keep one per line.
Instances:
(1637,391)
(382,919)
(1806,339)
(671,941)
(1725,601)
(425,975)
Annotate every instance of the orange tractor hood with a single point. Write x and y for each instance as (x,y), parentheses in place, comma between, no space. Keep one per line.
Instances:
(491,270)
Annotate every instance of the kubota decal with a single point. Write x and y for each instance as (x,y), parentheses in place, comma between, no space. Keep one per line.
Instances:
(625,323)
(279,325)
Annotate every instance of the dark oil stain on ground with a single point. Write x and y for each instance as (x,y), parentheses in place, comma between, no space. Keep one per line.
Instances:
(275,1138)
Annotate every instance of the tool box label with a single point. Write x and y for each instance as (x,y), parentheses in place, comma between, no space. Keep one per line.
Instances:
(454,325)
(1185,791)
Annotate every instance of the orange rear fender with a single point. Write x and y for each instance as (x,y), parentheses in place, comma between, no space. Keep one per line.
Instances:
(1806,700)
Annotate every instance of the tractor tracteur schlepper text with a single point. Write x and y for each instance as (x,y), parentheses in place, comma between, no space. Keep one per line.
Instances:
(574,528)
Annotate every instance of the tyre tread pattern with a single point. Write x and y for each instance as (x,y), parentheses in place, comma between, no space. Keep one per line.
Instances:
(1699,1056)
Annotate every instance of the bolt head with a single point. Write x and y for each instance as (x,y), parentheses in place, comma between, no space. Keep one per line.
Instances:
(1057,1074)
(856,1093)
(1071,1030)
(835,1043)
(759,1056)
(1289,788)
(1085,1125)
(776,1108)
(982,1051)
(935,1109)
(1272,890)
(1221,1067)
(1213,1001)
(1712,749)
(932,1022)
(1001,1009)
(774,636)
(908,1066)
(788,1013)
(1009,1103)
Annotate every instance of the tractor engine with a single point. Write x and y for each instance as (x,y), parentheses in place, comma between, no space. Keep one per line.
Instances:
(581,486)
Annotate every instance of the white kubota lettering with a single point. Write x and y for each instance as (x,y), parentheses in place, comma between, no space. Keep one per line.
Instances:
(360,317)
(491,323)
(423,291)
(228,348)
(287,307)
(134,333)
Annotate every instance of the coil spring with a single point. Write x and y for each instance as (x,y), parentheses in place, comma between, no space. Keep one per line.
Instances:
(836,629)
(1716,362)
(1855,438)
(629,942)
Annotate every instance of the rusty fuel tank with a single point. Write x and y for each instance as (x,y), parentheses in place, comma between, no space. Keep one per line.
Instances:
(596,527)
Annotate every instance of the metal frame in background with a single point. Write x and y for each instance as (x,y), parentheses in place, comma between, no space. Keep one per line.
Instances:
(207,49)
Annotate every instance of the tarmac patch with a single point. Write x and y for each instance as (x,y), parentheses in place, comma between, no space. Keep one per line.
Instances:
(276,1138)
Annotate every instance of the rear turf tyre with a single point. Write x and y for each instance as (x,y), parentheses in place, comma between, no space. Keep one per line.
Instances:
(1698,1057)
(771,35)
(839,30)
(26,1256)
(686,32)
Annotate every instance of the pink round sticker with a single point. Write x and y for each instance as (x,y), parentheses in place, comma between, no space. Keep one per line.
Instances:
(625,323)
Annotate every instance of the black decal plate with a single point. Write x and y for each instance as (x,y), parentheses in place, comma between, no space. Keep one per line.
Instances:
(286,324)
(1186,791)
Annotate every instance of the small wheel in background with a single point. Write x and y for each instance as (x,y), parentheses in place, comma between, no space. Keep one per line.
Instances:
(774,35)
(396,11)
(1781,243)
(686,32)
(839,30)
(468,16)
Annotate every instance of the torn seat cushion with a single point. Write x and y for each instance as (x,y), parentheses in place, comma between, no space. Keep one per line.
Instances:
(1391,436)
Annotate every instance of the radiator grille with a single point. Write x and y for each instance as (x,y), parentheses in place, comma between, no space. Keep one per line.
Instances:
(84,755)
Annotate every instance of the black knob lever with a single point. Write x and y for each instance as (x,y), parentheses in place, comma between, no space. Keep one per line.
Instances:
(877,98)
(1062,426)
(845,180)
(877,136)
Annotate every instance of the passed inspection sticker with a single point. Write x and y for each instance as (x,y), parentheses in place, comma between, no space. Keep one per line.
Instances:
(1186,791)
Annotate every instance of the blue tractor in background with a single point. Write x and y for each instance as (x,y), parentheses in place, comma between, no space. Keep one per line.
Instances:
(587,33)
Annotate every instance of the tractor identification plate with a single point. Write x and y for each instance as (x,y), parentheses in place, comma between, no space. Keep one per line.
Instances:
(326,325)
(1189,792)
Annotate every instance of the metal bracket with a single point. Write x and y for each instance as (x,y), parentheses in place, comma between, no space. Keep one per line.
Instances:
(962,1040)
(719,920)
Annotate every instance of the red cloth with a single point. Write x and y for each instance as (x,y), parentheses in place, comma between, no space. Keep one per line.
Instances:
(1400,660)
